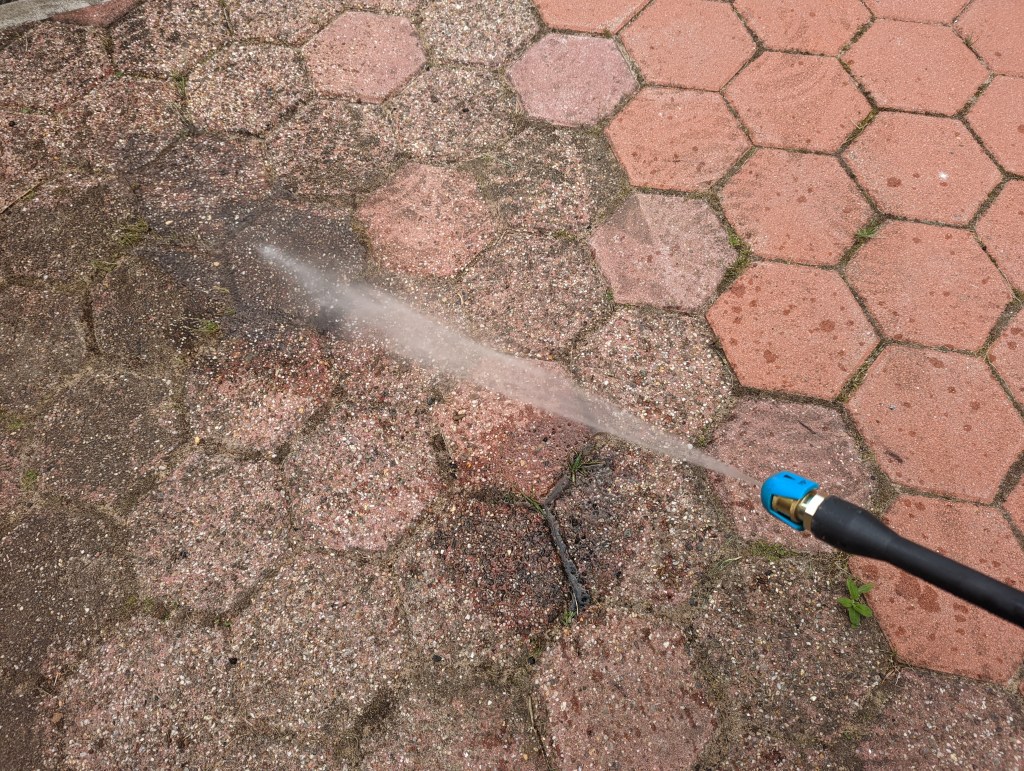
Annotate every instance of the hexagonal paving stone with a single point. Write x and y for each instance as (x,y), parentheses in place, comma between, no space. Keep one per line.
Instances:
(1007,356)
(765,436)
(169,37)
(662,250)
(791,328)
(995,28)
(571,80)
(676,140)
(921,167)
(476,31)
(798,102)
(103,14)
(804,25)
(929,284)
(26,144)
(907,66)
(427,221)
(1001,229)
(594,16)
(1014,505)
(292,22)
(364,56)
(923,726)
(50,66)
(497,443)
(938,422)
(658,366)
(208,533)
(998,117)
(689,43)
(795,207)
(608,663)
(930,628)
(246,88)
(939,11)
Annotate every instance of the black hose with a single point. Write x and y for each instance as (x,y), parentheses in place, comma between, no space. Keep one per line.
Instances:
(854,530)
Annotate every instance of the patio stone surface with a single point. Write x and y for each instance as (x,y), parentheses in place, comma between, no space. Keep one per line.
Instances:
(804,25)
(998,117)
(795,207)
(927,626)
(1007,356)
(167,38)
(476,31)
(571,80)
(938,11)
(102,14)
(1001,229)
(1014,505)
(929,284)
(663,251)
(995,32)
(596,16)
(27,149)
(922,167)
(938,422)
(292,22)
(775,316)
(31,69)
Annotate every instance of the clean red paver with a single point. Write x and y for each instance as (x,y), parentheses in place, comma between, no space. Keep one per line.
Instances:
(427,221)
(998,117)
(929,284)
(797,102)
(676,140)
(571,80)
(795,207)
(764,436)
(804,25)
(1007,356)
(1014,505)
(995,29)
(364,56)
(1001,229)
(100,15)
(591,16)
(921,167)
(621,688)
(689,43)
(938,422)
(792,328)
(941,11)
(663,250)
(928,627)
(908,66)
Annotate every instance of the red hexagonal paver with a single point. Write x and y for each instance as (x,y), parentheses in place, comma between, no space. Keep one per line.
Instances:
(910,66)
(676,140)
(591,16)
(942,11)
(1007,356)
(792,328)
(920,167)
(663,250)
(364,56)
(804,25)
(928,627)
(689,43)
(571,80)
(34,68)
(998,117)
(795,207)
(798,102)
(996,28)
(427,221)
(938,422)
(101,15)
(1014,505)
(929,284)
(1001,229)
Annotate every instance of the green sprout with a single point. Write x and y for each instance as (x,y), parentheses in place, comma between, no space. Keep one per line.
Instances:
(580,465)
(867,232)
(852,602)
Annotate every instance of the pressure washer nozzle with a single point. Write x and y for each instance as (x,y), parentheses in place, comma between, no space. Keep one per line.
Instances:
(785,495)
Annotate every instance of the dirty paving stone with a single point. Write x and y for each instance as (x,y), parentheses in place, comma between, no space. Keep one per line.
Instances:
(29,144)
(476,31)
(35,69)
(167,38)
(291,22)
(207,534)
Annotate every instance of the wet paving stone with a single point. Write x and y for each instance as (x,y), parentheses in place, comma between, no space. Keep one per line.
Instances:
(995,32)
(1007,356)
(102,14)
(657,366)
(167,38)
(997,117)
(105,434)
(476,31)
(35,69)
(509,298)
(803,25)
(594,681)
(765,436)
(596,16)
(1001,229)
(26,152)
(663,250)
(928,627)
(333,148)
(30,370)
(292,22)
(246,88)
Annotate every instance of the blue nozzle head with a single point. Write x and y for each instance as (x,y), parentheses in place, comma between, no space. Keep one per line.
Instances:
(785,486)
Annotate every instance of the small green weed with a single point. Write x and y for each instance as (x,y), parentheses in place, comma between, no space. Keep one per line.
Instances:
(29,480)
(867,232)
(772,552)
(567,617)
(207,327)
(580,465)
(852,602)
(130,232)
